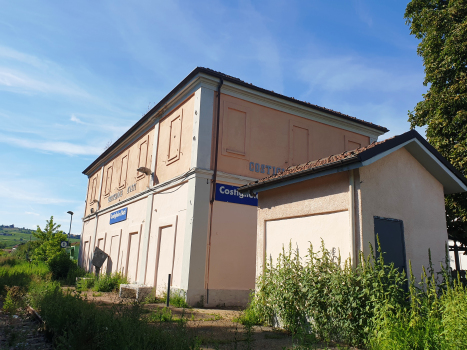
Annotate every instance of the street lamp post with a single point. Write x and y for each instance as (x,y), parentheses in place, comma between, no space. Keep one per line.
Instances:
(69,232)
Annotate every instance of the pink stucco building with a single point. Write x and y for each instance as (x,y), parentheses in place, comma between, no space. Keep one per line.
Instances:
(181,214)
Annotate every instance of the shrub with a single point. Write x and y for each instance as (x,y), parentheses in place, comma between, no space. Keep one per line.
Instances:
(85,283)
(435,318)
(177,299)
(369,305)
(60,265)
(252,314)
(73,273)
(109,283)
(326,298)
(14,299)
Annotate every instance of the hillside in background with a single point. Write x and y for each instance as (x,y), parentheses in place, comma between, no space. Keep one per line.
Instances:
(12,236)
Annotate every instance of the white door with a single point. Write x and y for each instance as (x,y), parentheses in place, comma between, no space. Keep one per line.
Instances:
(166,257)
(85,255)
(112,263)
(133,254)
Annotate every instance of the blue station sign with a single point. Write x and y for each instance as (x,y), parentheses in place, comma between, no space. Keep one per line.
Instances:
(227,193)
(119,215)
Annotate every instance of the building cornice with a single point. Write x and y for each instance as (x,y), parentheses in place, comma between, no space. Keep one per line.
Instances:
(202,77)
(200,81)
(174,182)
(282,105)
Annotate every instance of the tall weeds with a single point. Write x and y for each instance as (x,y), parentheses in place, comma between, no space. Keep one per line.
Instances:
(372,304)
(77,324)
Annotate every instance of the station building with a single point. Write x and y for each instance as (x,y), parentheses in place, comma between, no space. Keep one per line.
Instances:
(163,198)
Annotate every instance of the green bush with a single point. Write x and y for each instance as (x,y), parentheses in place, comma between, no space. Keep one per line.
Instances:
(85,283)
(434,318)
(252,314)
(368,305)
(177,299)
(109,283)
(325,297)
(14,299)
(60,265)
(73,273)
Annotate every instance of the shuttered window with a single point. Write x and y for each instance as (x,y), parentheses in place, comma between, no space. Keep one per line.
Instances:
(108,180)
(175,139)
(123,171)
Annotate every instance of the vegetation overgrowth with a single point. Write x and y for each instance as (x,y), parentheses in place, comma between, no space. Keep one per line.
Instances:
(317,298)
(102,283)
(75,323)
(371,305)
(35,275)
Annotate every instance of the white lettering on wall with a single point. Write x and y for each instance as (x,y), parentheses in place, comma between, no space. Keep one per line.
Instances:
(264,169)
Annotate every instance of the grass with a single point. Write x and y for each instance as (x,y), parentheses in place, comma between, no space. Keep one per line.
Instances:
(15,272)
(162,315)
(77,324)
(216,317)
(105,283)
(177,299)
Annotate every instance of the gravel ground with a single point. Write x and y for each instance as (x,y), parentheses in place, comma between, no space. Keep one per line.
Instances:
(214,327)
(21,331)
(217,330)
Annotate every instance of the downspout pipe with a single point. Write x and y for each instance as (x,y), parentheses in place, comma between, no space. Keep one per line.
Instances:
(353,254)
(213,188)
(216,152)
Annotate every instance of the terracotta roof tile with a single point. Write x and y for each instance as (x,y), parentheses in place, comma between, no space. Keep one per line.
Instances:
(306,167)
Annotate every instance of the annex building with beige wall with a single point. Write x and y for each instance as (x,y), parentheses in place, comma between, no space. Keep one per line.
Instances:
(394,189)
(181,213)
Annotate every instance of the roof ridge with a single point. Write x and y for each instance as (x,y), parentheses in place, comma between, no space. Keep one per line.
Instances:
(294,99)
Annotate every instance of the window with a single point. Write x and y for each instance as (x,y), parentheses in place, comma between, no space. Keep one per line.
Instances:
(143,155)
(92,197)
(175,139)
(299,143)
(108,180)
(123,171)
(236,130)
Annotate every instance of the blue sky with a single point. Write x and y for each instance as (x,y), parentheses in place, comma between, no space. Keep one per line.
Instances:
(75,76)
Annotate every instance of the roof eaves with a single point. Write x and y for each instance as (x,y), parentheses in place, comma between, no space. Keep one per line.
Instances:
(146,117)
(306,172)
(232,79)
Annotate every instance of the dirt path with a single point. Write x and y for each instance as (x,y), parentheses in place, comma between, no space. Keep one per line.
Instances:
(216,328)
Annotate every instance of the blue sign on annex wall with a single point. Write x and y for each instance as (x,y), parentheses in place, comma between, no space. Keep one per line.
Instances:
(227,193)
(119,215)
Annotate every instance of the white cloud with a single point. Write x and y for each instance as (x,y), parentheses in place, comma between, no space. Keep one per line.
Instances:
(9,53)
(53,146)
(31,213)
(19,194)
(347,73)
(75,119)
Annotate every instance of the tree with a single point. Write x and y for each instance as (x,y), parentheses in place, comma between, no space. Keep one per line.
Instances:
(441,25)
(48,241)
